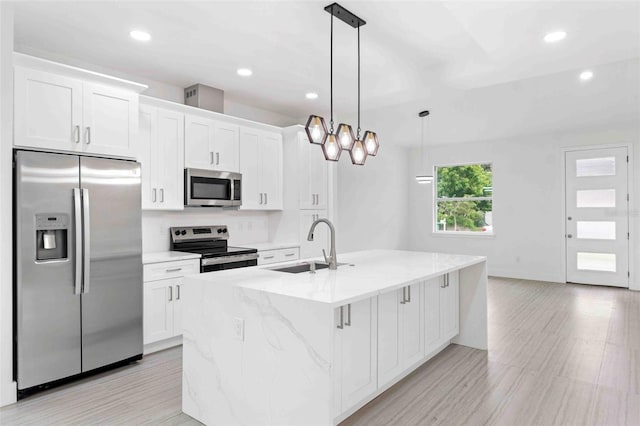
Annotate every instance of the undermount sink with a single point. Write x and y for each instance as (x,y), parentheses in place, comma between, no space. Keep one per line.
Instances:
(302,267)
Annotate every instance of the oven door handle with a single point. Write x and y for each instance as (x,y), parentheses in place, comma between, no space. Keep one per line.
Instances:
(228,259)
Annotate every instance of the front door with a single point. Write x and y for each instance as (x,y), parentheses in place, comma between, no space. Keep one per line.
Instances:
(597,216)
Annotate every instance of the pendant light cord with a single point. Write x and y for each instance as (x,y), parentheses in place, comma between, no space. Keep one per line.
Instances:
(331,73)
(358,133)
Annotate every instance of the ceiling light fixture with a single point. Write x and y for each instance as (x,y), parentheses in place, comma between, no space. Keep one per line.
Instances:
(245,72)
(140,35)
(424,177)
(555,36)
(586,75)
(333,143)
(311,95)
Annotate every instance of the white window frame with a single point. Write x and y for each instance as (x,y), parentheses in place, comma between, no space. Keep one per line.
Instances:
(434,230)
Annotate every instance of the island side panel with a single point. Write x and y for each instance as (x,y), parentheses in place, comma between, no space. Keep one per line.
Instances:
(279,374)
(473,307)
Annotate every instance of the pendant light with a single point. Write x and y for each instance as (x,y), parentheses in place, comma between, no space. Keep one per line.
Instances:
(344,138)
(424,177)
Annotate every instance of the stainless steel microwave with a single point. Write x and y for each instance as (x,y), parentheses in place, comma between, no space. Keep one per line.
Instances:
(210,188)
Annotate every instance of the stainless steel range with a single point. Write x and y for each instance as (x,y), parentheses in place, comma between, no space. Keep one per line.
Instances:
(211,243)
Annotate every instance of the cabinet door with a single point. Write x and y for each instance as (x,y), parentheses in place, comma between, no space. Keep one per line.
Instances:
(48,110)
(432,327)
(306,195)
(252,197)
(271,170)
(170,160)
(390,319)
(110,119)
(412,326)
(158,310)
(358,352)
(198,143)
(319,170)
(320,235)
(226,147)
(449,305)
(148,155)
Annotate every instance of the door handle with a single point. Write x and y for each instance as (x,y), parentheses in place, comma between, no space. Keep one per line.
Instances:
(268,257)
(76,133)
(88,135)
(162,195)
(408,294)
(170,293)
(217,158)
(211,157)
(86,244)
(78,246)
(266,199)
(404,296)
(261,198)
(153,195)
(341,323)
(173,270)
(178,292)
(569,236)
(348,322)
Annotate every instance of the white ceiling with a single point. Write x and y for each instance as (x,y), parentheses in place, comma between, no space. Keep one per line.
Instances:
(481,67)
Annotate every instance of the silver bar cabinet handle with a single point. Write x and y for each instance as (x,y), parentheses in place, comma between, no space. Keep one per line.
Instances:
(170,293)
(88,135)
(162,195)
(86,246)
(78,230)
(341,324)
(211,157)
(266,198)
(404,296)
(178,292)
(408,294)
(217,158)
(174,270)
(261,198)
(153,195)
(348,322)
(76,133)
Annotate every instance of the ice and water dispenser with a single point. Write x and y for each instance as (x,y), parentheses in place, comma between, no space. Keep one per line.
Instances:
(51,236)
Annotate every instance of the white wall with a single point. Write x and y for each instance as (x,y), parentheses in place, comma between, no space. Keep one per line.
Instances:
(7,386)
(373,201)
(528,201)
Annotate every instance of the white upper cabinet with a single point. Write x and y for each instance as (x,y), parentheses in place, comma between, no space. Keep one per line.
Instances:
(110,120)
(211,145)
(161,142)
(313,177)
(261,165)
(61,113)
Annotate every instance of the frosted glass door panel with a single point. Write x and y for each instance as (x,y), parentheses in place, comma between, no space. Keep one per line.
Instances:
(592,198)
(599,230)
(604,262)
(586,167)
(597,216)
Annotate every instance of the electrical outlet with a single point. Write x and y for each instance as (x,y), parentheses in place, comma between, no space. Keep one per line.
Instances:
(238,328)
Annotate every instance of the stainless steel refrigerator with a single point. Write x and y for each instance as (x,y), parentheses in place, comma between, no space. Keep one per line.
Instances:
(78,270)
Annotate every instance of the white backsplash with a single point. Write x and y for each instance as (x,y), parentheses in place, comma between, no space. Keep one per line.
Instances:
(244,227)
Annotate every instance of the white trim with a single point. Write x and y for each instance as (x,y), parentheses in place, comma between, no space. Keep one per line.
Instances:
(630,205)
(466,234)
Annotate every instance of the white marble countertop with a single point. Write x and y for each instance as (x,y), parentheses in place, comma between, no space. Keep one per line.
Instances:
(167,256)
(271,246)
(373,272)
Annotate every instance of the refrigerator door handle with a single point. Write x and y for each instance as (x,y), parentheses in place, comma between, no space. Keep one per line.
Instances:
(86,246)
(77,219)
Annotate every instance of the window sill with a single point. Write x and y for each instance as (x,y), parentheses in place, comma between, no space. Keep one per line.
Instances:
(462,234)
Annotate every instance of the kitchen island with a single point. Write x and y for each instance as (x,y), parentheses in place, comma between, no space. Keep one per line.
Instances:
(269,347)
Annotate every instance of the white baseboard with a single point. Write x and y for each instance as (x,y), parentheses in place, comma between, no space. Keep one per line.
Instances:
(162,345)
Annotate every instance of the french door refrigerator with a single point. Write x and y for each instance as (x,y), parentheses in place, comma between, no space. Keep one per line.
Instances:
(78,266)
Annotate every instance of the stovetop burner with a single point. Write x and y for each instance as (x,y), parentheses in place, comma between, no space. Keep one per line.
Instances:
(208,241)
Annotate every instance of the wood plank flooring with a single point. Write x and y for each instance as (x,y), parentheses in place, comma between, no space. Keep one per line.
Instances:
(559,354)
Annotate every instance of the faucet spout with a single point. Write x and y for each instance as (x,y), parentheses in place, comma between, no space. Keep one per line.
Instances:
(332,260)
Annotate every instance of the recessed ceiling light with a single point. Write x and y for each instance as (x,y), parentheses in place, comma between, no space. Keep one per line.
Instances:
(311,95)
(586,75)
(245,72)
(140,35)
(555,36)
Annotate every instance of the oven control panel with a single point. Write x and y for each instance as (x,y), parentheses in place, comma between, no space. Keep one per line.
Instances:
(190,233)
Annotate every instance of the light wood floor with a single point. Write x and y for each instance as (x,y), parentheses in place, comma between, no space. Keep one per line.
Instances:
(559,354)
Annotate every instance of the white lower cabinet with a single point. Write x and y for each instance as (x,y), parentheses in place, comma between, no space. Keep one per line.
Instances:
(356,348)
(266,257)
(400,331)
(162,299)
(441,310)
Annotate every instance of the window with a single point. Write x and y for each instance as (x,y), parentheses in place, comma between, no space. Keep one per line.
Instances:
(464,199)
